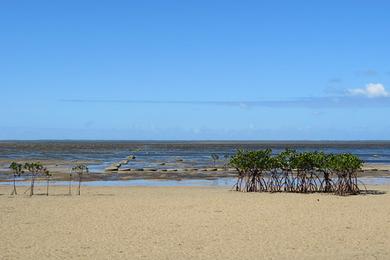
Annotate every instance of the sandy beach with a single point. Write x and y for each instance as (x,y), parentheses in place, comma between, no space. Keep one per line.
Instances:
(193,223)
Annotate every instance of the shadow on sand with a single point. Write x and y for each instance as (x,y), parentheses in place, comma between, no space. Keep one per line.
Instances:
(373,192)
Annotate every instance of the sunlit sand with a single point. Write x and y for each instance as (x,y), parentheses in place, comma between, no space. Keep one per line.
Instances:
(193,222)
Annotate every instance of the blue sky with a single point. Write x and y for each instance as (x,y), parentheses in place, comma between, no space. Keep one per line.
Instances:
(195,70)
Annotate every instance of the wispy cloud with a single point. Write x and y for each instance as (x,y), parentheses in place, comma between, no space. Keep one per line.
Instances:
(309,102)
(335,80)
(371,90)
(373,95)
(366,73)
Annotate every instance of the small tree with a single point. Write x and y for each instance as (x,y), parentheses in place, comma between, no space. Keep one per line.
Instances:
(345,166)
(305,163)
(215,157)
(274,166)
(35,169)
(286,160)
(251,166)
(240,162)
(322,163)
(17,169)
(80,169)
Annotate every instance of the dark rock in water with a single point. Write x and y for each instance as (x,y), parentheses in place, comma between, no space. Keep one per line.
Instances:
(140,170)
(131,157)
(150,169)
(179,160)
(163,163)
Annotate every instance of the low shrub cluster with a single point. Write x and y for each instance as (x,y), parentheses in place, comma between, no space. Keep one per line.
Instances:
(291,171)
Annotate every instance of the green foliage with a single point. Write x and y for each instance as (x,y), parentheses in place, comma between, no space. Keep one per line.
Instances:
(345,163)
(35,169)
(253,161)
(299,172)
(17,168)
(240,161)
(286,158)
(80,169)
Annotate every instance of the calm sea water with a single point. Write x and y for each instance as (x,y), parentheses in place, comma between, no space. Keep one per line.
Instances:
(192,154)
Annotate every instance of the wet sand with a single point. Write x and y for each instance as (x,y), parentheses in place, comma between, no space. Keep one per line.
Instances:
(193,223)
(60,170)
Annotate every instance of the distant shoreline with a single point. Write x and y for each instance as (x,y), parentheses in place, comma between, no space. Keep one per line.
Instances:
(198,141)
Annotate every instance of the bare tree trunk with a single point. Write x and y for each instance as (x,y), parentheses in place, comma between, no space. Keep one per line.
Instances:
(70,184)
(47,186)
(32,185)
(14,190)
(79,184)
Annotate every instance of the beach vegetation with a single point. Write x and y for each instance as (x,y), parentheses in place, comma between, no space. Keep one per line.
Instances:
(80,169)
(17,170)
(290,171)
(34,169)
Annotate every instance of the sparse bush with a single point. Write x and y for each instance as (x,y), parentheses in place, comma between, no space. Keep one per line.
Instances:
(34,169)
(17,170)
(80,169)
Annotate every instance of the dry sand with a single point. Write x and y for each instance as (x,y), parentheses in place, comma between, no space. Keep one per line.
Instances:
(193,223)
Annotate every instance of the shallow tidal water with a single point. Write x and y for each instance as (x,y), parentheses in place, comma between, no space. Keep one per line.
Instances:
(219,182)
(165,154)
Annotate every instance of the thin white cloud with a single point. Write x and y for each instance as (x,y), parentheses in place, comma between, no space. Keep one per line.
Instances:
(371,90)
(372,95)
